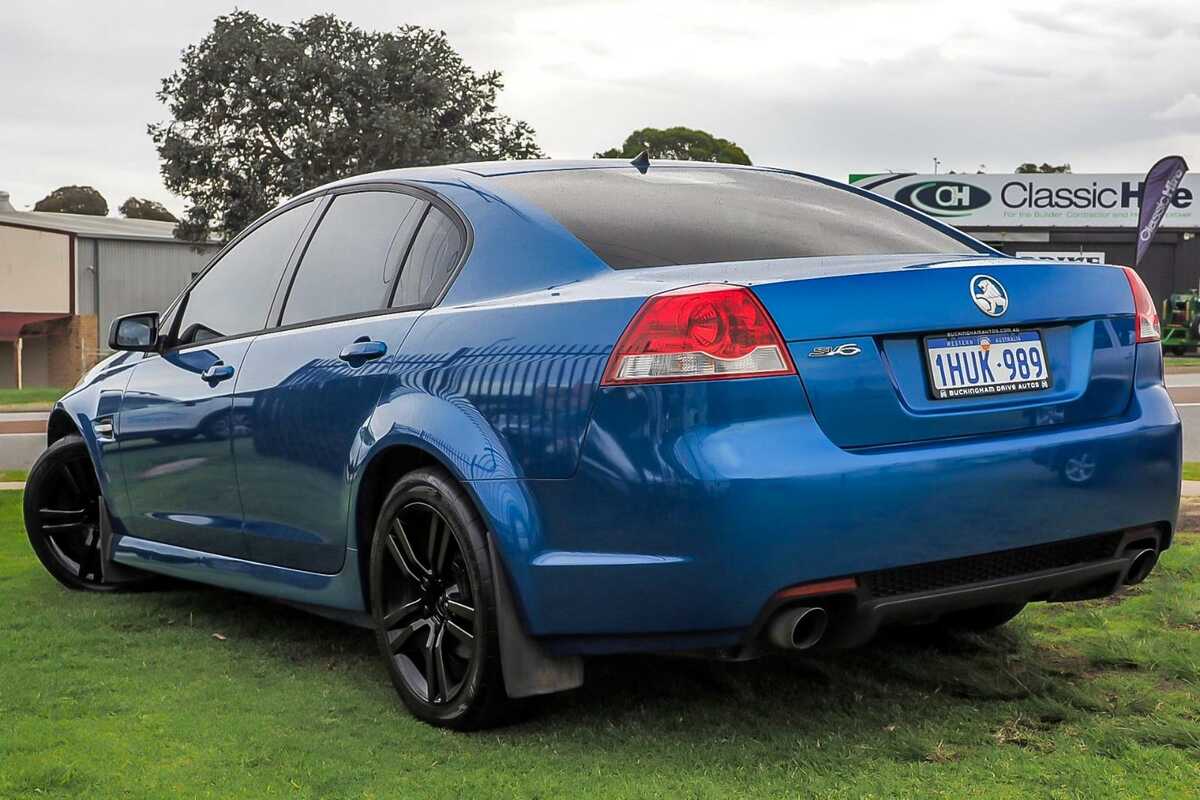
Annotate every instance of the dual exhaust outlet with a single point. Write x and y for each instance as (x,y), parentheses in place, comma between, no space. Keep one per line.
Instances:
(1140,566)
(803,627)
(798,628)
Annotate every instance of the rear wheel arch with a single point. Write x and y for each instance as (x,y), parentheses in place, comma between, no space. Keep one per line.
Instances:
(526,668)
(379,476)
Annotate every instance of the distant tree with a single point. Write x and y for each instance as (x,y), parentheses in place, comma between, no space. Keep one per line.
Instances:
(680,144)
(135,208)
(74,200)
(261,111)
(1030,167)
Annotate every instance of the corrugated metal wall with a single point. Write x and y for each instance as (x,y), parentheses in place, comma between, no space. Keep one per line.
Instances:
(133,276)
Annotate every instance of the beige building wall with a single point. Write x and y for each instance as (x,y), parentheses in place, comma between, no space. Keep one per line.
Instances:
(34,270)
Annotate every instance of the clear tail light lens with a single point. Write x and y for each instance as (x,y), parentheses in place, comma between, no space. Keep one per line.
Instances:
(1146,325)
(706,332)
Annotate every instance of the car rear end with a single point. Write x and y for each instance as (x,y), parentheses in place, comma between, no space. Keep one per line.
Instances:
(884,438)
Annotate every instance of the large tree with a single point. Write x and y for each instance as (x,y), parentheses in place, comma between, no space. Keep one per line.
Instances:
(1029,168)
(261,111)
(74,200)
(680,144)
(135,208)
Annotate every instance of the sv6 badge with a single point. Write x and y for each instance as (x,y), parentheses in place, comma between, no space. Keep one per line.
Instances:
(847,349)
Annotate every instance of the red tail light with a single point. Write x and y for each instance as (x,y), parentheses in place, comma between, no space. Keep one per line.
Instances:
(1146,324)
(706,332)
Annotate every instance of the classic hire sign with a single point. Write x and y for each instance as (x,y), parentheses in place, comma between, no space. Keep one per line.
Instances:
(1035,200)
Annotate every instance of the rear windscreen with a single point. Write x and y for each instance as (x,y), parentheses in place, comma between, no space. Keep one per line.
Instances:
(697,215)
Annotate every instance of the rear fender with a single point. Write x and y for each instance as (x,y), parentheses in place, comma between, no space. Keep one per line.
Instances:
(457,436)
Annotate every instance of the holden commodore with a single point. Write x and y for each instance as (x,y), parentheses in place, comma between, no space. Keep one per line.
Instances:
(510,415)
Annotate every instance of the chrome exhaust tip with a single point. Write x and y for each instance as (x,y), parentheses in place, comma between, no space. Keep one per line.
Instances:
(1140,566)
(798,628)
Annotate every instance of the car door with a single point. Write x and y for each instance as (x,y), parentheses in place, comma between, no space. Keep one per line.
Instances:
(176,420)
(311,385)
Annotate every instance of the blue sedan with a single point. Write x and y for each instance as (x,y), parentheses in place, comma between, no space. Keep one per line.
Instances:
(509,415)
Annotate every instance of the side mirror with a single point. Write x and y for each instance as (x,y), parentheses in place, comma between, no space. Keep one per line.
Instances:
(137,332)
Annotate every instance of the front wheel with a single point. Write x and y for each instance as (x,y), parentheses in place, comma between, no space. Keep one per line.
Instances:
(62,515)
(433,604)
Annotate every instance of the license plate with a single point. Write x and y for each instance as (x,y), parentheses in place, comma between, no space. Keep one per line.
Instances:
(995,362)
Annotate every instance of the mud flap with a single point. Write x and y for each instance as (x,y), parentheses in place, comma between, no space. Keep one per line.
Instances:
(111,571)
(528,669)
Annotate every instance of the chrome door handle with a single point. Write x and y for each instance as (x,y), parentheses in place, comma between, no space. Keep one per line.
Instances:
(363,349)
(216,373)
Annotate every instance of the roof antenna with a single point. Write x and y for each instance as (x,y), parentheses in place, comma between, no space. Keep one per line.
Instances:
(641,161)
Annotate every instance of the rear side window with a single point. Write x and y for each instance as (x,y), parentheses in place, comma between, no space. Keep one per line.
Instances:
(685,215)
(352,259)
(235,296)
(434,255)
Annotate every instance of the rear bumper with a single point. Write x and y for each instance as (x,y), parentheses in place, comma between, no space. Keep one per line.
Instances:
(1086,568)
(679,531)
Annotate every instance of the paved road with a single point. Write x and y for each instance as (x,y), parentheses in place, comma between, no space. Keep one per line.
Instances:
(22,439)
(1185,391)
(20,450)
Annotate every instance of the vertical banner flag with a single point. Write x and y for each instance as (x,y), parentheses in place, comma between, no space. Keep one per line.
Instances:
(1158,190)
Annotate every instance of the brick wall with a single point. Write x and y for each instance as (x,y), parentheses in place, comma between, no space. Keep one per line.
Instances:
(73,348)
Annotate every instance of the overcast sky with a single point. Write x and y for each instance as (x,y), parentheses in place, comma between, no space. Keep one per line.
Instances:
(821,86)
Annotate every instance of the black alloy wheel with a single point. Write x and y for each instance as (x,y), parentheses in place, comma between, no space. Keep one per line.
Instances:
(62,515)
(430,621)
(432,603)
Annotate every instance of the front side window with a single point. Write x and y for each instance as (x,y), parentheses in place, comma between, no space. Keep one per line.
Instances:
(431,261)
(235,296)
(351,261)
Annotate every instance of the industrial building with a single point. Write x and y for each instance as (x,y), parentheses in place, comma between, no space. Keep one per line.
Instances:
(64,277)
(1063,217)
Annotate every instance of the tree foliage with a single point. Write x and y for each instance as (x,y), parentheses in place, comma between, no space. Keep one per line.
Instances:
(135,208)
(680,144)
(1030,167)
(74,200)
(261,111)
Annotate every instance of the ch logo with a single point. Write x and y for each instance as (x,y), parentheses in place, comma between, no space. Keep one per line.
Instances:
(847,349)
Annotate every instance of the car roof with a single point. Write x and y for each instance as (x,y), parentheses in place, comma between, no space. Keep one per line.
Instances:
(459,173)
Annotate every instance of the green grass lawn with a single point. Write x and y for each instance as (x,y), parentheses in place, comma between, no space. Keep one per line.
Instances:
(1175,364)
(33,398)
(135,696)
(1191,470)
(7,475)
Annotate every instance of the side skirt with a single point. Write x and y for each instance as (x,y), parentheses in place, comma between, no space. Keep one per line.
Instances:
(111,571)
(311,589)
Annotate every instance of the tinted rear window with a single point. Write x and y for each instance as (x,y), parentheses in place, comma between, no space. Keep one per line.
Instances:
(684,215)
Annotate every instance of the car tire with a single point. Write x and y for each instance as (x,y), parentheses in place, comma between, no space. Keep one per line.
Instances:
(433,604)
(62,516)
(984,618)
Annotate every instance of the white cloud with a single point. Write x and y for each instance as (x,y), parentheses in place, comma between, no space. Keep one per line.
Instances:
(827,86)
(1186,107)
